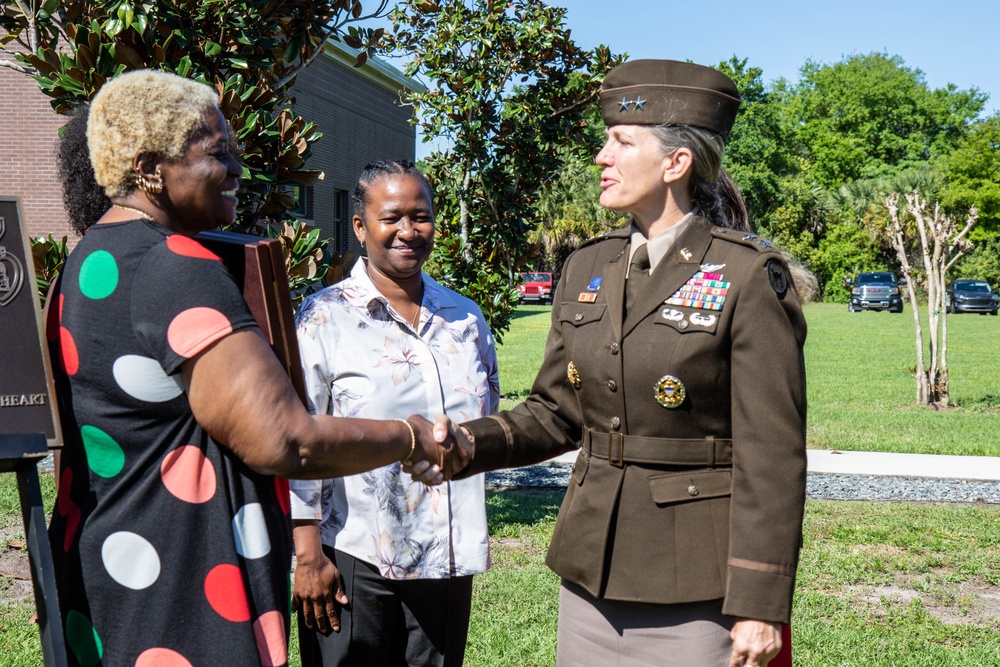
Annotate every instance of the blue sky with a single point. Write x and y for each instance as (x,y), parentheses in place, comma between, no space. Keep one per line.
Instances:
(950,42)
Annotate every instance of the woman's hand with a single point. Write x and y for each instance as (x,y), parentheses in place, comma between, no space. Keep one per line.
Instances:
(318,592)
(755,643)
(443,450)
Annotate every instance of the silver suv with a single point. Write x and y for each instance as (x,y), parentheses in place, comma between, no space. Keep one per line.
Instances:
(875,291)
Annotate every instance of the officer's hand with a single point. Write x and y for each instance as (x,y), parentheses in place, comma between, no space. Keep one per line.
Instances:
(448,452)
(318,592)
(755,643)
(461,453)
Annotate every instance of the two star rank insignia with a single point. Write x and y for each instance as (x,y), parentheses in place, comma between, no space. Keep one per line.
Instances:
(702,290)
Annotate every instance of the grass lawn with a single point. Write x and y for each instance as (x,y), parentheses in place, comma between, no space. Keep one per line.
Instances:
(860,388)
(880,585)
(861,392)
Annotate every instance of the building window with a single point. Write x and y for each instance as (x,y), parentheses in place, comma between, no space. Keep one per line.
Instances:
(341,219)
(303,196)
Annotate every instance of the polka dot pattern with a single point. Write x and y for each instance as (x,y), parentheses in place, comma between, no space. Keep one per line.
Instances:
(132,297)
(82,639)
(54,316)
(98,275)
(143,378)
(162,657)
(67,508)
(269,631)
(281,493)
(227,594)
(69,359)
(104,456)
(250,532)
(188,247)
(130,560)
(193,329)
(188,475)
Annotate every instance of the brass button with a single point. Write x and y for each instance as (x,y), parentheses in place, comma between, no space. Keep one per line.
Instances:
(612,385)
(616,423)
(578,317)
(614,348)
(693,490)
(683,324)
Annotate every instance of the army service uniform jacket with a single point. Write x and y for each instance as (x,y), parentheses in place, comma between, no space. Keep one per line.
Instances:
(689,413)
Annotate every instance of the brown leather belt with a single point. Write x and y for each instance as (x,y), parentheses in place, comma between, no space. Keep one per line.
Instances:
(620,449)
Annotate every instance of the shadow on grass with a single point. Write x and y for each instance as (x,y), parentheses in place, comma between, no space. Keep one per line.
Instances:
(526,311)
(522,506)
(516,396)
(987,403)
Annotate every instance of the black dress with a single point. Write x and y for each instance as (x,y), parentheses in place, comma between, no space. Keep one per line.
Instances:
(169,550)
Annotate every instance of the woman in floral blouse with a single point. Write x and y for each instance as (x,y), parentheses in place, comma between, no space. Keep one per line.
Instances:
(385,564)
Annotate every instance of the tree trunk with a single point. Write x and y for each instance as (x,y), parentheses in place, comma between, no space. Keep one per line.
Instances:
(463,215)
(940,247)
(898,242)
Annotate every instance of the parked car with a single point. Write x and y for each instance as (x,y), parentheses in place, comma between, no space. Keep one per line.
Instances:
(878,290)
(536,286)
(972,296)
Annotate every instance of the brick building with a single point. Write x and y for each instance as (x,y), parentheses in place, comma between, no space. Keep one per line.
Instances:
(357,109)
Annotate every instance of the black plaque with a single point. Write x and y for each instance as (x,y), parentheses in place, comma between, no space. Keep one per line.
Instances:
(25,377)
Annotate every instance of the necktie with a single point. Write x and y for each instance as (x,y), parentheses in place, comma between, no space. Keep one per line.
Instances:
(638,275)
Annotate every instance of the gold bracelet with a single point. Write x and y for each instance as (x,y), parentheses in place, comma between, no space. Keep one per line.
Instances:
(413,440)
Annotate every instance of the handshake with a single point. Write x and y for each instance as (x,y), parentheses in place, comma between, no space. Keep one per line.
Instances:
(441,450)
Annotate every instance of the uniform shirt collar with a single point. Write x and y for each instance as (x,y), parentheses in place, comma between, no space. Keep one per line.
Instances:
(660,244)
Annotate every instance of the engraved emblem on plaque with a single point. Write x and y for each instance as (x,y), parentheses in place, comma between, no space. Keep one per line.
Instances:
(11,271)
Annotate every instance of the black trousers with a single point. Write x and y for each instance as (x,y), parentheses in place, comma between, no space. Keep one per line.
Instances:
(392,623)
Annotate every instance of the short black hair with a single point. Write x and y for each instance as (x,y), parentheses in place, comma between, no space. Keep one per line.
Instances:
(83,198)
(380,169)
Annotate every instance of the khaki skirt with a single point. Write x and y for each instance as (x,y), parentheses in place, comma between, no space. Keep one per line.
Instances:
(595,632)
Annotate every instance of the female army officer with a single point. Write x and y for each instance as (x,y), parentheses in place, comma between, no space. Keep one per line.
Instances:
(674,363)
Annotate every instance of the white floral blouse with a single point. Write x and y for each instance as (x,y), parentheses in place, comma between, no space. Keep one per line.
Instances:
(362,359)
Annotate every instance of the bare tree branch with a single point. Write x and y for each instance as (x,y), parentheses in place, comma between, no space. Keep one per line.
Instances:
(18,67)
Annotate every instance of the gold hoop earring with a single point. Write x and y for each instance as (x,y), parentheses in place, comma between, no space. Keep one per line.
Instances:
(148,185)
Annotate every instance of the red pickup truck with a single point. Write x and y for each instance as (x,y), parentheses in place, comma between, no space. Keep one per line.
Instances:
(535,286)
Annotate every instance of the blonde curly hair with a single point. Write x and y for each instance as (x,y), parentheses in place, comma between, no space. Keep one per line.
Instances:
(143,110)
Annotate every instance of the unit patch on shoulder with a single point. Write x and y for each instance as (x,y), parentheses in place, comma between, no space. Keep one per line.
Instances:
(776,274)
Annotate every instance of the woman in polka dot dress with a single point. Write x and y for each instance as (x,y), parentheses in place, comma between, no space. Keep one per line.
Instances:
(171,531)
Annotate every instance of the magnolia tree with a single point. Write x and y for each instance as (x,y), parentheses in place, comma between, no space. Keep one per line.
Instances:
(249,51)
(941,243)
(506,92)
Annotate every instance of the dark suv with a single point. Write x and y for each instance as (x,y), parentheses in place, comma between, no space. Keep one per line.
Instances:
(972,296)
(875,291)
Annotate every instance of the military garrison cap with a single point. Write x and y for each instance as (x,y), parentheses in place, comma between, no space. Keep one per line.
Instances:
(658,92)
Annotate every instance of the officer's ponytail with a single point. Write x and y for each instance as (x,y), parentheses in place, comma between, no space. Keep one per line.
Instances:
(712,190)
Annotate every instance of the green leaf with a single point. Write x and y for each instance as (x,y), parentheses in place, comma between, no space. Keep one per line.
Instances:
(184,67)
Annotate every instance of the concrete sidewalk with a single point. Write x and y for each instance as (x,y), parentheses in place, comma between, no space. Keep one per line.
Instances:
(893,465)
